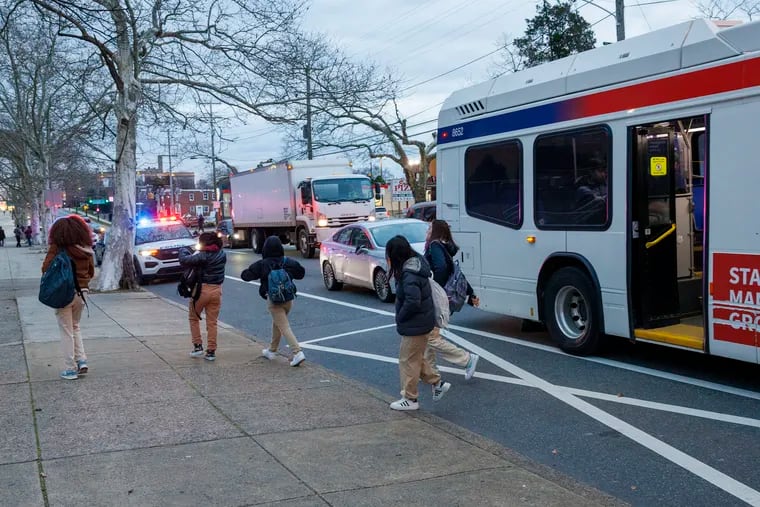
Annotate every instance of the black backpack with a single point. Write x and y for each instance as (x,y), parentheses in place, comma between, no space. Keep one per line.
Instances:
(190,283)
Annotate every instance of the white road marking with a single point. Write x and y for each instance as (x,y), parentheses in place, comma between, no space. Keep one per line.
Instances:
(706,472)
(349,333)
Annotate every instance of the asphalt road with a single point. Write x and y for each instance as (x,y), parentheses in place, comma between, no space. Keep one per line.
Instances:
(649,425)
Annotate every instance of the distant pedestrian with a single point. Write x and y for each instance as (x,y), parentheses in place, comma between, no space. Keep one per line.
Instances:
(272,258)
(28,233)
(18,233)
(201,222)
(439,252)
(72,234)
(415,321)
(2,236)
(211,259)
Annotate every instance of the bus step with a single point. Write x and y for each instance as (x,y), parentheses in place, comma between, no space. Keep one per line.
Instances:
(678,335)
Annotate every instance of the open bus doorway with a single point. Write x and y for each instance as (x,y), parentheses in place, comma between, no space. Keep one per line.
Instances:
(667,215)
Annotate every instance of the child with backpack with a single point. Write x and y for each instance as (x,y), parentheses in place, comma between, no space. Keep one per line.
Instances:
(439,252)
(72,235)
(210,260)
(277,273)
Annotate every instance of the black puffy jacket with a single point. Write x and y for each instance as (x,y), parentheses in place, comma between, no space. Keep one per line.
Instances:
(212,261)
(415,314)
(272,256)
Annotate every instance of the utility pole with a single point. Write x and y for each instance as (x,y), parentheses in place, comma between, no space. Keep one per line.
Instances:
(620,19)
(213,161)
(307,129)
(171,173)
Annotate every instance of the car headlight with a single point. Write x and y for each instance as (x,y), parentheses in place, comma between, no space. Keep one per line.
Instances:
(148,253)
(371,218)
(236,235)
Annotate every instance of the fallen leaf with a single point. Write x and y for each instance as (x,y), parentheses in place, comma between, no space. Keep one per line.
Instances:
(555,451)
(620,395)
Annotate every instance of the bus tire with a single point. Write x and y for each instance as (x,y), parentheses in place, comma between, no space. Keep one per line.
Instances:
(572,311)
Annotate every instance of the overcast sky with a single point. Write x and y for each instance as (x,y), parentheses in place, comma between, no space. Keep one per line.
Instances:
(422,39)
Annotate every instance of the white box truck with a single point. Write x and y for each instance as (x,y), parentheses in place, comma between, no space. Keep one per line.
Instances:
(302,201)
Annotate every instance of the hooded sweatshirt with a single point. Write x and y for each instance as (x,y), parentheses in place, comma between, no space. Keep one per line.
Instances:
(415,314)
(439,255)
(272,257)
(83,260)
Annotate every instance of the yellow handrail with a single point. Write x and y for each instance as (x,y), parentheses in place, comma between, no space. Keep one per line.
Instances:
(664,235)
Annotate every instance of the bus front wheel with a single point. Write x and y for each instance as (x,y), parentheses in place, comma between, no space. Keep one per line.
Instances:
(572,311)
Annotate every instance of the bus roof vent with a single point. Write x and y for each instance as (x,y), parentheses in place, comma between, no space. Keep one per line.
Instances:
(470,109)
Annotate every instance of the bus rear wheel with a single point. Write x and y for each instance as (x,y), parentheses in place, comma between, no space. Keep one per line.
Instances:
(572,311)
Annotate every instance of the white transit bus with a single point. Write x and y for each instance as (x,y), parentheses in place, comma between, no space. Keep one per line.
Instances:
(615,192)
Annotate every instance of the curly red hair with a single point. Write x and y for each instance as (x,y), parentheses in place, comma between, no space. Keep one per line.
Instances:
(69,231)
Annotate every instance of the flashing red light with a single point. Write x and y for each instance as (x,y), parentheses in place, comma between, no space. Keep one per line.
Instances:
(445,134)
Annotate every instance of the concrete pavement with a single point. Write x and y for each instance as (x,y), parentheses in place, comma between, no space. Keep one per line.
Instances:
(149,425)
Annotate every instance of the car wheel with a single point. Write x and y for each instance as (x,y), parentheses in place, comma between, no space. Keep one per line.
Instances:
(572,311)
(382,287)
(328,276)
(257,240)
(307,251)
(141,280)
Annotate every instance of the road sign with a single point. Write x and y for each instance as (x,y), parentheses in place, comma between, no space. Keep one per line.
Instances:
(401,191)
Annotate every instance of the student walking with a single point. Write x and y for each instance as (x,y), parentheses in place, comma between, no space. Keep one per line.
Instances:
(2,237)
(273,259)
(18,232)
(415,321)
(439,252)
(72,234)
(28,233)
(211,260)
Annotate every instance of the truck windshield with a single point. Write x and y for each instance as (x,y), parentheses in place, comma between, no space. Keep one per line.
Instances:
(344,189)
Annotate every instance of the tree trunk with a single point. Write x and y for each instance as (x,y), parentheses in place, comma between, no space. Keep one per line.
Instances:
(117,270)
(37,205)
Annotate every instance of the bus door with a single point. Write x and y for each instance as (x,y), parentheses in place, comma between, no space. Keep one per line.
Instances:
(653,209)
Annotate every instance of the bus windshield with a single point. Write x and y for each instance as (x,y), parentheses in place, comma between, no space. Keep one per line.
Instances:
(343,189)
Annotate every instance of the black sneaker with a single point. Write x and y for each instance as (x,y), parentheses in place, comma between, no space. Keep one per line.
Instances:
(197,350)
(210,355)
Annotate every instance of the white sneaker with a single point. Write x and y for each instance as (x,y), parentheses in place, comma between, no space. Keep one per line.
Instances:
(471,364)
(404,404)
(268,354)
(298,359)
(440,389)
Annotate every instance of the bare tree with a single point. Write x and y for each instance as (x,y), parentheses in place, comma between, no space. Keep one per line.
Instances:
(354,107)
(163,55)
(729,9)
(42,117)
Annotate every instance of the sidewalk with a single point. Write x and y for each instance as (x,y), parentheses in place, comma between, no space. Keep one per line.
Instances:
(150,425)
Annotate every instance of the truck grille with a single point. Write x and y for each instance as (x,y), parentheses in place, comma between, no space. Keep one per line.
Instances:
(341,221)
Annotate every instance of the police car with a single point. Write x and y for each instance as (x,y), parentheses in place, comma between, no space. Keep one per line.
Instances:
(157,246)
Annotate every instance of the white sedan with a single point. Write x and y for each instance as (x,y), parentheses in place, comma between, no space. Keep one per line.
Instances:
(355,254)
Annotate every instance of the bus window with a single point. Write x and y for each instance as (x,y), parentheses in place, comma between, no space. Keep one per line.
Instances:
(571,173)
(493,182)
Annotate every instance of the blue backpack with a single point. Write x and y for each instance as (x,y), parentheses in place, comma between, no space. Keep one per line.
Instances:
(281,288)
(59,285)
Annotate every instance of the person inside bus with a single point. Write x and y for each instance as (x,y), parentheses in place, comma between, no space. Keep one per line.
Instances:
(591,194)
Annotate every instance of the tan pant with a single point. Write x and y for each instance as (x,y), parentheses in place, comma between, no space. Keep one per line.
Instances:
(281,326)
(413,365)
(71,337)
(447,350)
(211,302)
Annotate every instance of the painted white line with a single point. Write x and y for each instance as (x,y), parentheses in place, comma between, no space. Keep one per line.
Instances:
(554,350)
(680,458)
(349,333)
(328,300)
(663,407)
(617,364)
